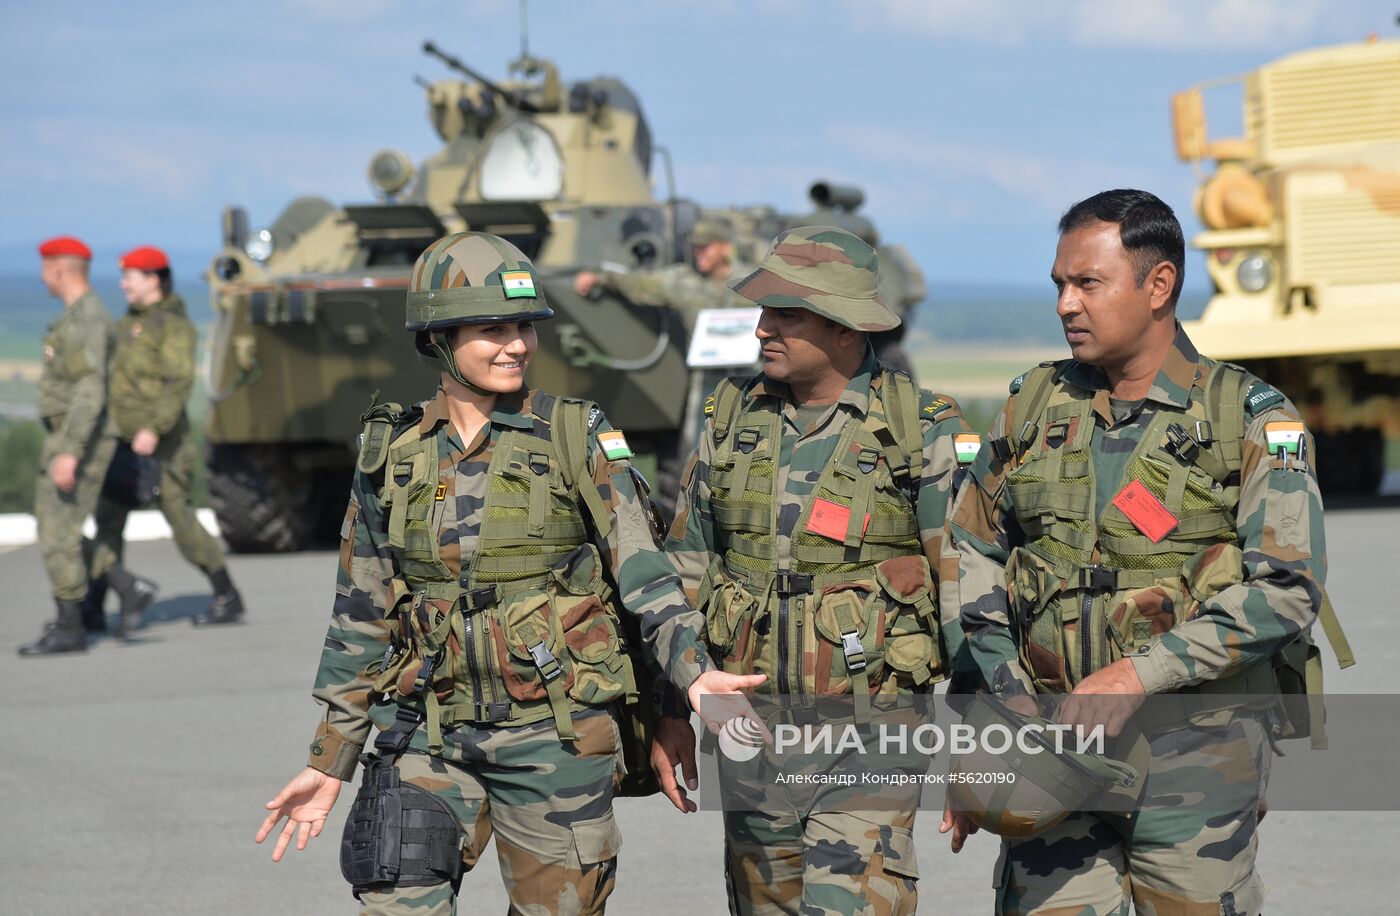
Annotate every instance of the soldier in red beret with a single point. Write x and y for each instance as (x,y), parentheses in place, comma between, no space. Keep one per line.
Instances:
(73,462)
(152,374)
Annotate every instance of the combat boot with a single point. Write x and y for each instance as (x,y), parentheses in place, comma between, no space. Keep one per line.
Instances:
(227,606)
(63,635)
(94,617)
(136,594)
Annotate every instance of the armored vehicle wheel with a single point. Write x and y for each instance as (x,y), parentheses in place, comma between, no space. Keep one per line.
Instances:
(263,503)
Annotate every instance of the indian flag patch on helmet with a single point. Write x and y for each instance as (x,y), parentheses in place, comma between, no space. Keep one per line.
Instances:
(518,284)
(1284,434)
(614,445)
(967,445)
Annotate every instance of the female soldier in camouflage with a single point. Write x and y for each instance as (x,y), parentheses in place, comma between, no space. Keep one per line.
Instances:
(488,532)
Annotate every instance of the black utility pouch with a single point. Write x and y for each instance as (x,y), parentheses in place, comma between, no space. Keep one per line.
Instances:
(132,480)
(398,835)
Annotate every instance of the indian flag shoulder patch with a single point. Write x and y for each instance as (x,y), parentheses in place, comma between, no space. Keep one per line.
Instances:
(967,446)
(518,284)
(614,445)
(1284,434)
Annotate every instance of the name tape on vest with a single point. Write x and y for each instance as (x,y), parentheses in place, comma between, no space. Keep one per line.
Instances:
(1145,511)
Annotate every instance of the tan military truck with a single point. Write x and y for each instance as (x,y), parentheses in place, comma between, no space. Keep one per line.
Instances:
(309,310)
(1302,243)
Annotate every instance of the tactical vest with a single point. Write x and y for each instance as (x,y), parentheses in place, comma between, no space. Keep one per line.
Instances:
(855,612)
(529,629)
(1085,590)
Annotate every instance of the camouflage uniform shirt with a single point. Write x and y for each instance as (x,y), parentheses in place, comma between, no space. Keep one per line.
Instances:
(72,384)
(1278,520)
(153,368)
(359,632)
(695,536)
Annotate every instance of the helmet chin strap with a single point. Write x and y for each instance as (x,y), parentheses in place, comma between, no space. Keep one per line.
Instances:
(441,344)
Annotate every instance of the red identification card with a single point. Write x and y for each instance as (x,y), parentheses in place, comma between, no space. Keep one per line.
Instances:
(1145,511)
(830,520)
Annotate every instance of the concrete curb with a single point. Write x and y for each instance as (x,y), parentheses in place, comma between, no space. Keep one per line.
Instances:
(18,528)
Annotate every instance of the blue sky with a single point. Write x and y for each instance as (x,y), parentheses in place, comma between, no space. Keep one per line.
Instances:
(971,123)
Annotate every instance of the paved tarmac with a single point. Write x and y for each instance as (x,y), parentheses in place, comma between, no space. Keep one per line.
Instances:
(133,777)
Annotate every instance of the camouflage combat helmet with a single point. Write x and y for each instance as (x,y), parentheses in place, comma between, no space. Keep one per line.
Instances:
(469,278)
(1020,793)
(824,270)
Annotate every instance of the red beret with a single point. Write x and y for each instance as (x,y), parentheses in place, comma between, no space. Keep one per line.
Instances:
(65,246)
(144,258)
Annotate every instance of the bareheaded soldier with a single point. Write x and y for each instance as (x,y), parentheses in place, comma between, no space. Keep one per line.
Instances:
(686,287)
(811,530)
(152,373)
(73,461)
(1143,519)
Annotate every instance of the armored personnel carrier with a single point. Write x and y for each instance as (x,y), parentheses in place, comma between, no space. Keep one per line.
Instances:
(1302,242)
(309,310)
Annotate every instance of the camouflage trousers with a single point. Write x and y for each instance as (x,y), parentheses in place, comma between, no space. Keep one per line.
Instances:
(548,803)
(59,516)
(178,456)
(1188,850)
(819,849)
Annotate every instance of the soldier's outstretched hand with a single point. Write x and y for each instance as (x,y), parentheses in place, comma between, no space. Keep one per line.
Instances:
(719,697)
(305,802)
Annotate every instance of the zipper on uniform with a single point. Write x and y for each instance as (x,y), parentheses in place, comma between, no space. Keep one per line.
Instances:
(1086,633)
(782,644)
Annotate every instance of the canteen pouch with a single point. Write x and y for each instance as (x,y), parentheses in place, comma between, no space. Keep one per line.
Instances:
(398,835)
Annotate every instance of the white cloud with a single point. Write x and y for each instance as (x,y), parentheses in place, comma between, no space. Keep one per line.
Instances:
(1197,24)
(1183,25)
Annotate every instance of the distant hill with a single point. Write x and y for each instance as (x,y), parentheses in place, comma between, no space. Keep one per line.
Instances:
(26,310)
(1006,314)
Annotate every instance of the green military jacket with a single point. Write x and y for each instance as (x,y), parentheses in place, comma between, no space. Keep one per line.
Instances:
(678,286)
(152,368)
(72,385)
(799,642)
(374,577)
(1254,587)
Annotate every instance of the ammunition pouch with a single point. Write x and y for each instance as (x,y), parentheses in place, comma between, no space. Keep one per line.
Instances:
(868,631)
(398,835)
(510,655)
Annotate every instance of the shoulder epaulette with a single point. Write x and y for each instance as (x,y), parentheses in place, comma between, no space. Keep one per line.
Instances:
(1260,397)
(383,423)
(932,405)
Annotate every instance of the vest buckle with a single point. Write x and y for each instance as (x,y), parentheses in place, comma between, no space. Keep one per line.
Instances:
(789,583)
(539,463)
(491,712)
(853,650)
(1098,578)
(1205,435)
(1001,448)
(545,661)
(1180,443)
(479,599)
(867,460)
(746,441)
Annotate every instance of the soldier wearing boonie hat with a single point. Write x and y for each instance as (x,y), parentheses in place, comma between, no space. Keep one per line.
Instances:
(74,456)
(826,474)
